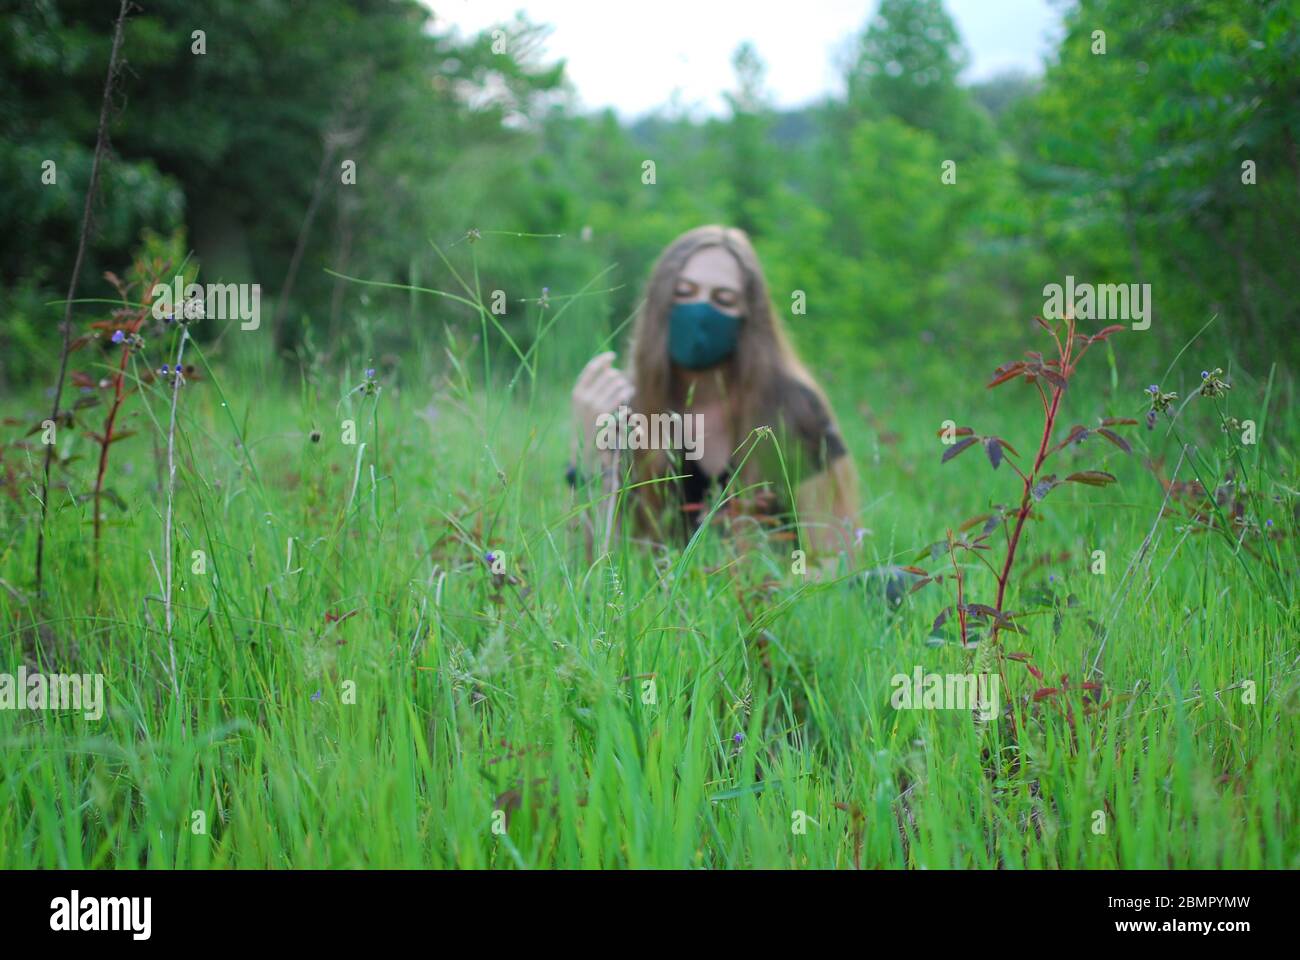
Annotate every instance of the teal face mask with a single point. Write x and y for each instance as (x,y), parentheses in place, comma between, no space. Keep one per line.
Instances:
(700,335)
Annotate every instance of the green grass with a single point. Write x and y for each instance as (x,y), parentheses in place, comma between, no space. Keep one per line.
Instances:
(473,695)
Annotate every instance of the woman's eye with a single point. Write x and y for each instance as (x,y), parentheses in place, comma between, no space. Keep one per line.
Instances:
(686,289)
(726,298)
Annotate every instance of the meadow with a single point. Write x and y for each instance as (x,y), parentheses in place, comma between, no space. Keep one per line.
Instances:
(402,651)
(347,611)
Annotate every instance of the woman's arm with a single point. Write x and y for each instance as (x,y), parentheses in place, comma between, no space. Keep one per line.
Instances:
(827,509)
(601,389)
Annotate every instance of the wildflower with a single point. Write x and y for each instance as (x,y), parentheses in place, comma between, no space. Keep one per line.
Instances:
(164,370)
(118,336)
(1160,402)
(315,697)
(738,739)
(1213,384)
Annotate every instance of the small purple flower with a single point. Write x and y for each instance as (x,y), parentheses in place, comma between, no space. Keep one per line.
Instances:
(489,557)
(370,373)
(1205,374)
(1153,389)
(164,370)
(738,739)
(315,697)
(118,336)
(1268,523)
(1051,578)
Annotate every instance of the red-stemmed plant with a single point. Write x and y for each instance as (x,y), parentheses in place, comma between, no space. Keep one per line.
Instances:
(1050,377)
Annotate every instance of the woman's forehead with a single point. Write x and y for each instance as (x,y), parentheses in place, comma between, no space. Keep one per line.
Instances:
(713,266)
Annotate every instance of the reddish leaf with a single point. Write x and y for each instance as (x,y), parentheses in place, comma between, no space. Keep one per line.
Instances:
(1044,692)
(1076,431)
(1054,378)
(1044,486)
(1116,439)
(1118,422)
(994,451)
(917,570)
(1037,674)
(958,432)
(1102,335)
(957,448)
(1019,656)
(1007,372)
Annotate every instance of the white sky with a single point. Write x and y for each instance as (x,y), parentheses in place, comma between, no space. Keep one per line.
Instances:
(634,55)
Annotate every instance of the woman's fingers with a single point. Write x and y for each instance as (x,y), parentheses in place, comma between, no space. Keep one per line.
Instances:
(604,386)
(594,368)
(612,390)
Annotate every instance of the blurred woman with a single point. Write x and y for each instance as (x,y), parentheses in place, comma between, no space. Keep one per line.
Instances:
(708,344)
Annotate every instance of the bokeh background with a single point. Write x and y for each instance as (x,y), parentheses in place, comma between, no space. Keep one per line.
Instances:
(1124,167)
(287,569)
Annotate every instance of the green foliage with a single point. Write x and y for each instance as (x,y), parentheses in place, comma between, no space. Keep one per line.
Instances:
(372,694)
(1133,159)
(520,692)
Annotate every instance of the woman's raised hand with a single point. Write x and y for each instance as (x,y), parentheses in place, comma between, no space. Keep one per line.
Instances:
(601,388)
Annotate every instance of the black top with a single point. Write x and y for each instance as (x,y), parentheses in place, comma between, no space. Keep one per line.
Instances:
(695,488)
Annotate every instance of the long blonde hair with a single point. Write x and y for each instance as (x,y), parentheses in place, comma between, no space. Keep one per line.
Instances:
(767,384)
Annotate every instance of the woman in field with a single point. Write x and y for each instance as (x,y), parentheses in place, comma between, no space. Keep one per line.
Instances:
(708,344)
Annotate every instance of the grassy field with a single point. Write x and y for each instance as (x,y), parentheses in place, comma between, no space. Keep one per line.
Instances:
(356,687)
